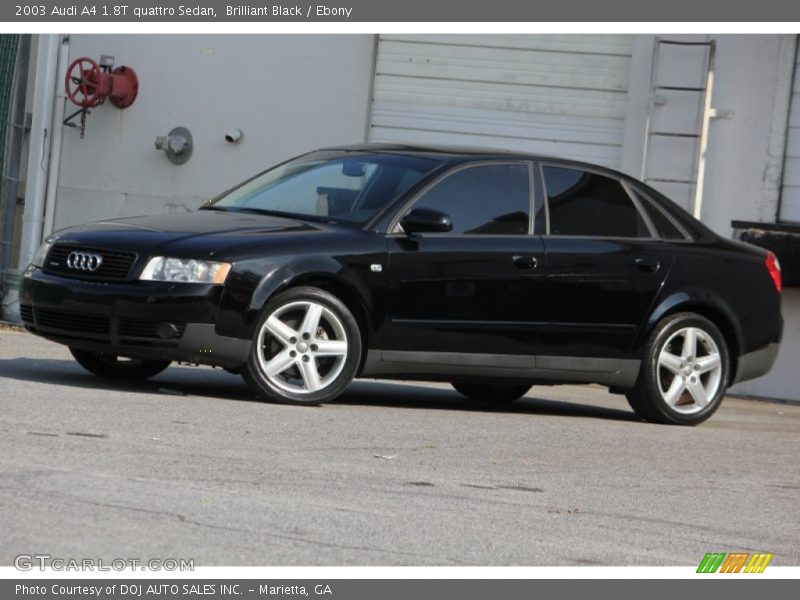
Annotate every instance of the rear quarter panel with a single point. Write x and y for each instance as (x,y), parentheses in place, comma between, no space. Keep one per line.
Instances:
(726,280)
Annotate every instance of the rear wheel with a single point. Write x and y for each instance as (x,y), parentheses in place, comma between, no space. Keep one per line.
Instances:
(684,372)
(306,349)
(118,367)
(491,393)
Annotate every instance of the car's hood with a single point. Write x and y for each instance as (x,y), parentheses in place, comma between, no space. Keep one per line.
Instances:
(196,233)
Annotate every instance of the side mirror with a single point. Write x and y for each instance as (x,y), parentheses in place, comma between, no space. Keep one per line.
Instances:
(422,220)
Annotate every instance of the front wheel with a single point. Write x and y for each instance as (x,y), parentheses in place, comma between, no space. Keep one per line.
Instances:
(117,367)
(684,372)
(306,348)
(491,393)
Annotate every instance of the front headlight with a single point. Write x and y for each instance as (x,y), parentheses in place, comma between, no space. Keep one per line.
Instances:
(185,270)
(41,253)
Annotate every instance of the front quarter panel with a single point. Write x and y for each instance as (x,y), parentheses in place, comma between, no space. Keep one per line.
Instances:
(344,262)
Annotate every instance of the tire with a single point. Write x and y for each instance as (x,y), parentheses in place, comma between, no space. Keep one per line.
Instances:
(684,372)
(116,367)
(292,361)
(491,393)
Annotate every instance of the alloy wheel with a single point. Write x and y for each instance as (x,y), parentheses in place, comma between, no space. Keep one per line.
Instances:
(302,347)
(689,370)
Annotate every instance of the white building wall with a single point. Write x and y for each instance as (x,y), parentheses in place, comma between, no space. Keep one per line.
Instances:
(289,94)
(745,152)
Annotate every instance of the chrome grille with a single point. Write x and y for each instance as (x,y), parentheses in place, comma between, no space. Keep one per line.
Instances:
(116,265)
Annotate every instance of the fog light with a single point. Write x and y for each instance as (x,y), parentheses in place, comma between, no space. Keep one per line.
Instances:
(167,331)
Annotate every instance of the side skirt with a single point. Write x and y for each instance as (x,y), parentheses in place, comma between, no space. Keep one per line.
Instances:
(619,374)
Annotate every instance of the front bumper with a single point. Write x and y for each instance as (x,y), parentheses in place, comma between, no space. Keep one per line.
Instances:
(128,319)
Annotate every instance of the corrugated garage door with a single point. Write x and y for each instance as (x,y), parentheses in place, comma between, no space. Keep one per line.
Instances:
(562,95)
(790,194)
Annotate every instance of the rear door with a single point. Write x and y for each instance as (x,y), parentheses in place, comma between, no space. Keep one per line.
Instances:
(605,263)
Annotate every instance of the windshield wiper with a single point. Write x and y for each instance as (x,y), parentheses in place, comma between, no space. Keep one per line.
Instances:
(270,213)
(263,211)
(247,209)
(284,214)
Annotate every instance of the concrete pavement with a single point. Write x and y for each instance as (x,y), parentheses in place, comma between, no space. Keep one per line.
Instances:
(189,465)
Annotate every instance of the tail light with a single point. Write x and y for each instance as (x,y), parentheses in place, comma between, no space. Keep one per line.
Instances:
(774,270)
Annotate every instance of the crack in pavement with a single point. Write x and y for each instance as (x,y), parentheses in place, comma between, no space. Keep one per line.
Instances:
(183,519)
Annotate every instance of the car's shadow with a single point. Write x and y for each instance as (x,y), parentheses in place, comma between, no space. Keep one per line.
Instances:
(190,381)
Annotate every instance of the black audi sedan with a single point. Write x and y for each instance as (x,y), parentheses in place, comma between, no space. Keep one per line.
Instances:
(491,270)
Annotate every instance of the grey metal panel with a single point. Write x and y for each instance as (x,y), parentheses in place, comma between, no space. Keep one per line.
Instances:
(791,176)
(559,94)
(790,190)
(584,43)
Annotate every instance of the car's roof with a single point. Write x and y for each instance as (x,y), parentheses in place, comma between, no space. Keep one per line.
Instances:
(460,153)
(421,149)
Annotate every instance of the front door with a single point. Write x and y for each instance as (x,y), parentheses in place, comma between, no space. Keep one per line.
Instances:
(471,296)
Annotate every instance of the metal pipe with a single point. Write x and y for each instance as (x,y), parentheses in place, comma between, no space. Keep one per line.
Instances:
(708,113)
(58,130)
(39,147)
(11,178)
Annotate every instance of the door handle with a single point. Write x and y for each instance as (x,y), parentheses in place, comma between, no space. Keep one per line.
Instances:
(648,264)
(525,262)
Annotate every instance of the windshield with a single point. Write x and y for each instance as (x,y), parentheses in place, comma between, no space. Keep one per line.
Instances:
(329,185)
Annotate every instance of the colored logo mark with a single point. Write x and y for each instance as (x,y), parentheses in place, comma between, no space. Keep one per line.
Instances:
(735,562)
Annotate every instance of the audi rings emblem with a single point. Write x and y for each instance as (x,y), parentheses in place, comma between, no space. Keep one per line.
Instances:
(84,261)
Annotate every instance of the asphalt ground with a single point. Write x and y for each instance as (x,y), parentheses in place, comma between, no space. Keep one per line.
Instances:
(188,465)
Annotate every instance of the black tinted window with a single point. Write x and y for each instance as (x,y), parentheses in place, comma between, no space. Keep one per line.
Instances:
(583,203)
(664,227)
(490,199)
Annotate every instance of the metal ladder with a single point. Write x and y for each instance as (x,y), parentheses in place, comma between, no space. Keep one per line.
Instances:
(700,132)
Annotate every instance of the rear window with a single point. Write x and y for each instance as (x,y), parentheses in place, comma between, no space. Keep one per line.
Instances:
(663,225)
(583,203)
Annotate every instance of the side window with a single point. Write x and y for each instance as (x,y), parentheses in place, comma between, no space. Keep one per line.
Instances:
(664,227)
(584,203)
(486,199)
